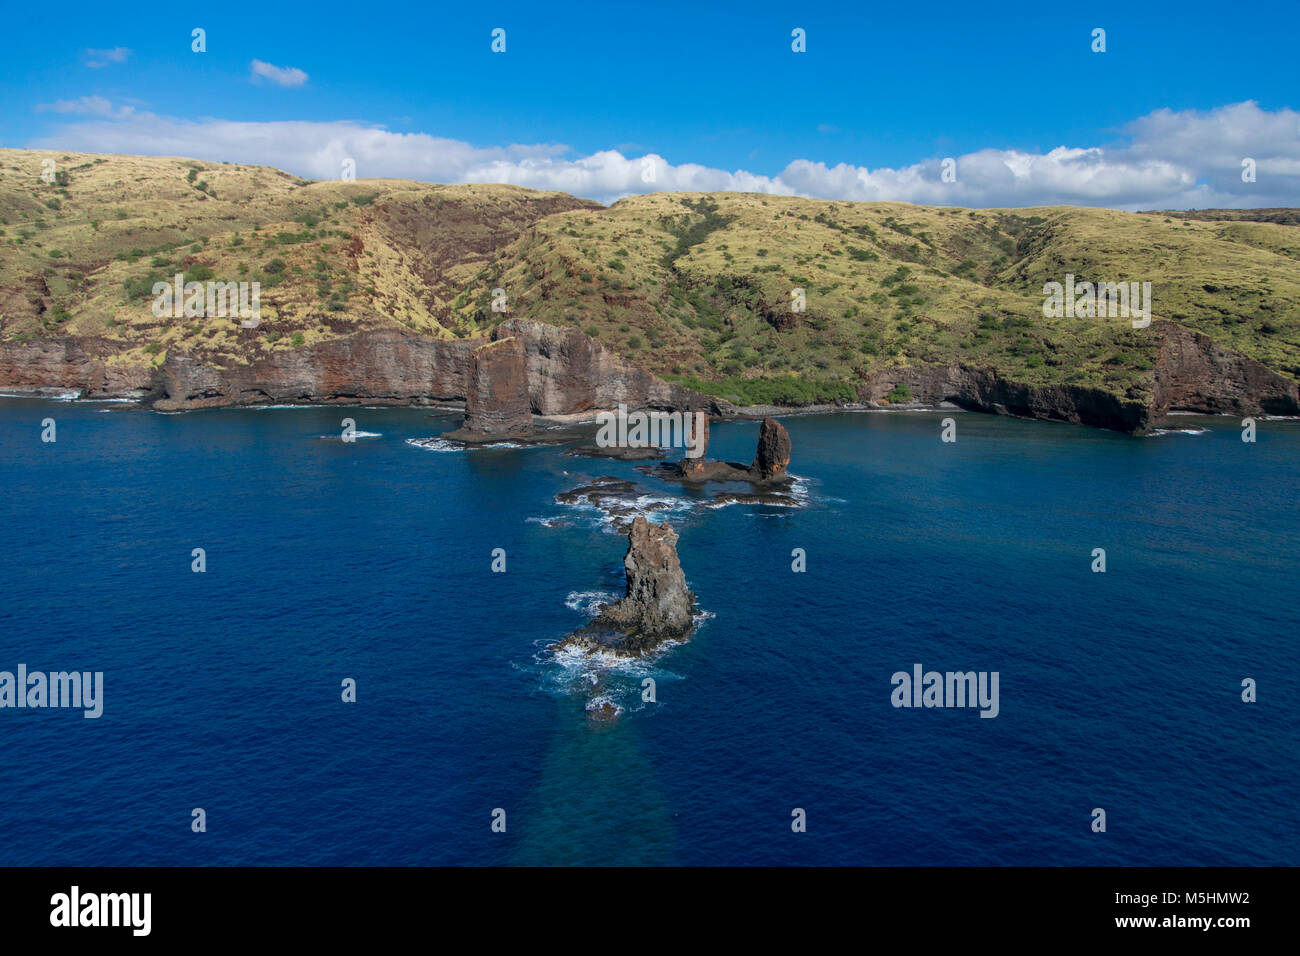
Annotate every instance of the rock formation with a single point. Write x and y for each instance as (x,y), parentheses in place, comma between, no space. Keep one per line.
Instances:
(565,372)
(657,606)
(772,456)
(1195,373)
(497,405)
(1191,373)
(693,465)
(569,371)
(771,459)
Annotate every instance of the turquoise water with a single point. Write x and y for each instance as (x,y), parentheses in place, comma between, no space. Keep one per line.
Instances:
(373,561)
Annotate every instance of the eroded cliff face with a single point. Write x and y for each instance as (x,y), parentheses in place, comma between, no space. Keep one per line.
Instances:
(560,370)
(1192,373)
(379,367)
(569,371)
(564,371)
(72,364)
(985,390)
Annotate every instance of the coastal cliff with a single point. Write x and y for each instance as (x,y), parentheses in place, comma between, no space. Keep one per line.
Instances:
(1191,373)
(380,291)
(563,371)
(559,371)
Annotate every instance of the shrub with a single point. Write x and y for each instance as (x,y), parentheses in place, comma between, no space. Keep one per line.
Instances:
(787,390)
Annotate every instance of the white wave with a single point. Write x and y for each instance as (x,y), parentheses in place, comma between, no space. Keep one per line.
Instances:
(435,444)
(52,394)
(589,602)
(1181,431)
(354,434)
(108,401)
(718,504)
(669,506)
(578,662)
(549,521)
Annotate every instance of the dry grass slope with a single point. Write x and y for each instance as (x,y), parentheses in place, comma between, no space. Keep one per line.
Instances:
(696,287)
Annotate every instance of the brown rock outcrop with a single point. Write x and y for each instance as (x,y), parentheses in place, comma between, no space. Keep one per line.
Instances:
(569,371)
(565,372)
(987,390)
(71,363)
(772,456)
(771,459)
(1194,373)
(497,404)
(693,461)
(658,605)
(375,367)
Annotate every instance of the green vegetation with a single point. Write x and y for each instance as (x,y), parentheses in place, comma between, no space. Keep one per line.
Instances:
(693,286)
(783,390)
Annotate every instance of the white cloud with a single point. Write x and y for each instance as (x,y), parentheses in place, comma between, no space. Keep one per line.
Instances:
(99,58)
(88,106)
(289,76)
(1171,160)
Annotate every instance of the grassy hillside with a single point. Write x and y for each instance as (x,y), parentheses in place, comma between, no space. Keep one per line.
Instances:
(696,287)
(79,256)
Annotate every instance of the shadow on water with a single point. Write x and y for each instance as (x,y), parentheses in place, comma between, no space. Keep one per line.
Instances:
(597,803)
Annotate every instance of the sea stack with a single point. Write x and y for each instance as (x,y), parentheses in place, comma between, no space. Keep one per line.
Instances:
(772,457)
(497,406)
(657,606)
(693,466)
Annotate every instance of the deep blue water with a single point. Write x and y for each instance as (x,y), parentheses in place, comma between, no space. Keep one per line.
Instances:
(373,561)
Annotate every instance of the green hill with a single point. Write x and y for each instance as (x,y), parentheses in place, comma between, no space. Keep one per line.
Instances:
(695,287)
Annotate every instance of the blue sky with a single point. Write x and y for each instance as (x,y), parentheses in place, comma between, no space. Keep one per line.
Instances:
(892,87)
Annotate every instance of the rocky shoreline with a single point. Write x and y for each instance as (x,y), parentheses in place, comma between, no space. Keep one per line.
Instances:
(536,370)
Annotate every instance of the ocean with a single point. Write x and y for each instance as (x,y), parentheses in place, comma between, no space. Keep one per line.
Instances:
(372,561)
